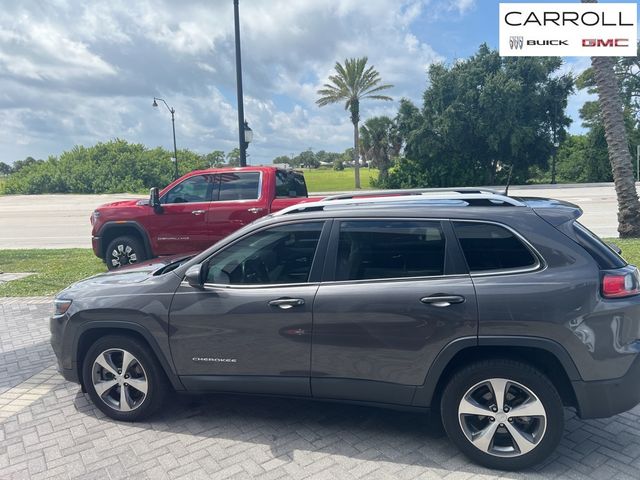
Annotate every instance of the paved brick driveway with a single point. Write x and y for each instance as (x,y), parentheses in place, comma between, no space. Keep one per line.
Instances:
(48,429)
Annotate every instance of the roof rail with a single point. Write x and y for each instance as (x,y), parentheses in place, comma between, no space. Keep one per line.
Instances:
(426,197)
(408,191)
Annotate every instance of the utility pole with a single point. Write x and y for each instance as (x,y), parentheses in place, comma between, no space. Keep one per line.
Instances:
(241,139)
(638,162)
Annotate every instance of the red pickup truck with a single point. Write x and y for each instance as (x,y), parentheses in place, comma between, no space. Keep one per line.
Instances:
(192,213)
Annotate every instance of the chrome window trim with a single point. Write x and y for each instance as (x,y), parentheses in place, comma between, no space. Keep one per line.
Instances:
(540,264)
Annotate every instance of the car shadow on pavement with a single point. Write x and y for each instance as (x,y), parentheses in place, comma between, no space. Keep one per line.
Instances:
(290,425)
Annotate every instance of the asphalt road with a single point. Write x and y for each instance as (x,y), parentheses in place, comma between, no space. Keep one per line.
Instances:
(62,221)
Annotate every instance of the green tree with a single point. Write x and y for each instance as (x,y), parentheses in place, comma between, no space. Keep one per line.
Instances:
(379,144)
(351,84)
(233,157)
(27,162)
(215,159)
(307,159)
(480,117)
(282,160)
(5,169)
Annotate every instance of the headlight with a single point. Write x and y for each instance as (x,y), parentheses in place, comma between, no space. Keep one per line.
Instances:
(94,216)
(60,306)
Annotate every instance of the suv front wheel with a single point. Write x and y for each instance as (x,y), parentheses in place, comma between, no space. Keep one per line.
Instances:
(123,378)
(503,414)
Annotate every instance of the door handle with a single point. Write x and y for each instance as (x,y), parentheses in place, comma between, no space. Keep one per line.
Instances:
(198,212)
(255,210)
(286,303)
(442,300)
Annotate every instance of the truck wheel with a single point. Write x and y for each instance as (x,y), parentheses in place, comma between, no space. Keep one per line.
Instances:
(125,250)
(123,378)
(503,414)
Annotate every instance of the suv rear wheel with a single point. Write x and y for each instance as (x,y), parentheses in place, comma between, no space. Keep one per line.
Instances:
(503,414)
(125,250)
(123,378)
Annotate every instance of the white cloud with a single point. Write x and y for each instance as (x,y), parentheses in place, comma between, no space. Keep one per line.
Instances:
(82,72)
(461,6)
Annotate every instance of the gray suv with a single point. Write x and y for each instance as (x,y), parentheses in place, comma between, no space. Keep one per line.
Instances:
(491,311)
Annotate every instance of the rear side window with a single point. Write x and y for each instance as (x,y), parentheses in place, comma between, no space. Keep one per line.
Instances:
(290,184)
(239,186)
(488,247)
(601,253)
(370,249)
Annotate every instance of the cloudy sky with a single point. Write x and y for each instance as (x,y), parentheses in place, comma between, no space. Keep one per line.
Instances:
(80,71)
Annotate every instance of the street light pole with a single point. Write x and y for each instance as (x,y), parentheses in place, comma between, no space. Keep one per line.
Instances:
(173,127)
(241,123)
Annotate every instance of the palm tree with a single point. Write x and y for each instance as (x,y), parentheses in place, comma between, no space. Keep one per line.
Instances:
(618,144)
(376,144)
(352,83)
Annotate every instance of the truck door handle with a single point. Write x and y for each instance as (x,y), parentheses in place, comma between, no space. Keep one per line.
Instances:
(197,212)
(442,300)
(255,210)
(286,303)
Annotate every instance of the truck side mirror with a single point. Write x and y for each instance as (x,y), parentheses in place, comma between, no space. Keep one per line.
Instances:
(154,200)
(193,276)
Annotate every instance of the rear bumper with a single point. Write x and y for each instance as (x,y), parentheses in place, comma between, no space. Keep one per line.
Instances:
(605,398)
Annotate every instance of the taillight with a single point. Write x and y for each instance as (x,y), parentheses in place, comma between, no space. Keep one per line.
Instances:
(621,284)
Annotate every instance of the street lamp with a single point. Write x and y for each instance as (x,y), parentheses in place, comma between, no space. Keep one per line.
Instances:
(173,125)
(248,135)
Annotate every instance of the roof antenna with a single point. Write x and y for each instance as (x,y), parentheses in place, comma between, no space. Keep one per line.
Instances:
(506,188)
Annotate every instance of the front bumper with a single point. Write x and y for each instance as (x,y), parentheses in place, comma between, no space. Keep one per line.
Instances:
(605,398)
(96,245)
(67,368)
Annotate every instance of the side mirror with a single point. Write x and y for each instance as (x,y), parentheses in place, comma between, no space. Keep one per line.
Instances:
(154,200)
(615,248)
(194,276)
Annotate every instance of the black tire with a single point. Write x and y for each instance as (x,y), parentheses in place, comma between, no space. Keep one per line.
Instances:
(125,250)
(468,379)
(157,385)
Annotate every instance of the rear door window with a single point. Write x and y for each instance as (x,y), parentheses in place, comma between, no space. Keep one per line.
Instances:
(371,249)
(239,186)
(488,247)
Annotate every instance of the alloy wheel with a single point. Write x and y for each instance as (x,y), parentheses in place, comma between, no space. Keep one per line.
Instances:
(502,417)
(119,379)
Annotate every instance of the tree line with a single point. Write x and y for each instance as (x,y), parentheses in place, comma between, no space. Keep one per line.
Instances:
(110,167)
(486,118)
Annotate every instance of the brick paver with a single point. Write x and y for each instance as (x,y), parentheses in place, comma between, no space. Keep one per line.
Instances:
(57,433)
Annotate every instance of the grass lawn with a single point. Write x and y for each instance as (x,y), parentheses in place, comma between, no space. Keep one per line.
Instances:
(57,269)
(328,180)
(54,270)
(630,248)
